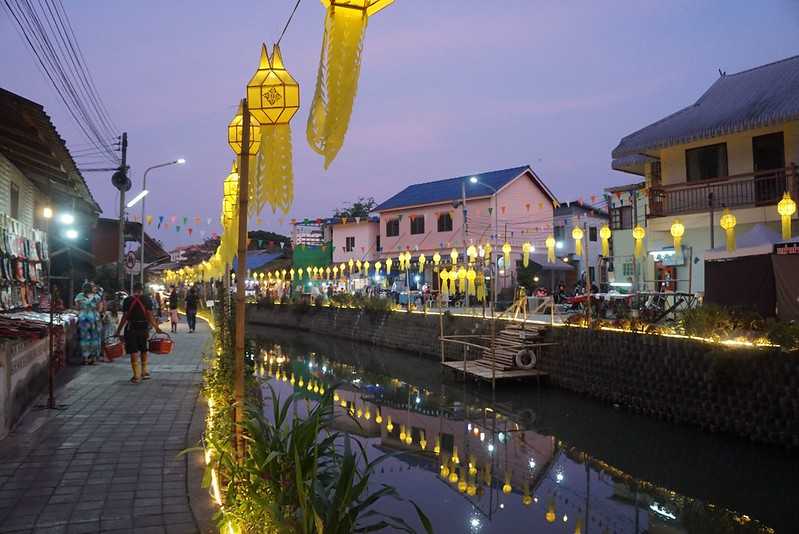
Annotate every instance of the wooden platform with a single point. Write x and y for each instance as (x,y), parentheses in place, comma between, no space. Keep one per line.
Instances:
(482,369)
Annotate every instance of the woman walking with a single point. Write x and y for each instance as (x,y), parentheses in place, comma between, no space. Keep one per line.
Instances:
(88,303)
(191,309)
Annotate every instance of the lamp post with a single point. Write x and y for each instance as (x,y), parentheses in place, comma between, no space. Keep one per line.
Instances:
(142,195)
(70,233)
(495,246)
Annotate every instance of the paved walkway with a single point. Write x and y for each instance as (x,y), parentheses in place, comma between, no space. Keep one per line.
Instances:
(107,461)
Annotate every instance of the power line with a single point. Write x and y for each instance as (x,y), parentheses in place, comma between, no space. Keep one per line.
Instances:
(288,21)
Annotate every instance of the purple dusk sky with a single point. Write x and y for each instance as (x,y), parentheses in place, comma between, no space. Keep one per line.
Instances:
(447,87)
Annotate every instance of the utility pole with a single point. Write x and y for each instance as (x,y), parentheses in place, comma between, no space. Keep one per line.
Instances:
(241,273)
(121,242)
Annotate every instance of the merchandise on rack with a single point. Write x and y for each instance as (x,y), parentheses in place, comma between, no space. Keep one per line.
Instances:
(23,257)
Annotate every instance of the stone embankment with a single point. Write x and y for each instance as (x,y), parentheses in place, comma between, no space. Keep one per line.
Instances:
(751,392)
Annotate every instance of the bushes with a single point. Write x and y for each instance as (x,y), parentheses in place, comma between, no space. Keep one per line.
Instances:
(716,322)
(783,334)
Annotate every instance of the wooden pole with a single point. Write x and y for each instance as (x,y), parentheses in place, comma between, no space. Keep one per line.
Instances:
(241,272)
(587,271)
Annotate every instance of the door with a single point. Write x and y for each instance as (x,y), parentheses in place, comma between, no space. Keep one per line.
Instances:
(768,154)
(666,277)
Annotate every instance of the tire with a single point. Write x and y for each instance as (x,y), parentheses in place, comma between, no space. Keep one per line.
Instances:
(526,359)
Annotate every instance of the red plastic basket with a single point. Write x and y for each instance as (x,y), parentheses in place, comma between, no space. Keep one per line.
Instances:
(113,347)
(161,343)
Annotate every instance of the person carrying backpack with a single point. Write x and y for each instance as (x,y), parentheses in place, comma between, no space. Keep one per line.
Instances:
(137,318)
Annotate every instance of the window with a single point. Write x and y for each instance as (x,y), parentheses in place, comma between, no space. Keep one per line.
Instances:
(706,162)
(377,244)
(444,222)
(417,224)
(560,232)
(392,228)
(14,199)
(621,218)
(627,269)
(350,244)
(592,275)
(592,233)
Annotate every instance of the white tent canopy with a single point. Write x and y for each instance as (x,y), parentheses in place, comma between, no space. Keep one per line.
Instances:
(760,239)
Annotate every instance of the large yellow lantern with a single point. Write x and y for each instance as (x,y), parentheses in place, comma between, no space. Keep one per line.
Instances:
(786,208)
(350,265)
(506,250)
(436,258)
(389,263)
(550,244)
(230,236)
(422,261)
(604,235)
(273,97)
(339,69)
(453,255)
(577,235)
(235,134)
(639,234)
(550,516)
(366,267)
(444,275)
(453,275)
(728,222)
(527,247)
(677,231)
(462,279)
(471,253)
(471,276)
(378,266)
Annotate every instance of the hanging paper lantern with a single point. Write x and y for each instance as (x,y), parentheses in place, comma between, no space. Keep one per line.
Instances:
(506,487)
(550,244)
(366,267)
(550,516)
(786,208)
(677,231)
(350,265)
(453,275)
(506,250)
(422,261)
(389,262)
(462,279)
(453,254)
(378,266)
(639,234)
(488,249)
(527,247)
(604,235)
(235,134)
(436,258)
(471,253)
(728,222)
(273,96)
(444,275)
(335,271)
(339,69)
(299,272)
(291,273)
(358,265)
(577,235)
(149,219)
(471,275)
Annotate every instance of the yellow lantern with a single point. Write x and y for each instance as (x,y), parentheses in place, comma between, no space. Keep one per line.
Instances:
(550,516)
(341,268)
(471,253)
(577,235)
(273,96)
(358,265)
(235,133)
(327,272)
(366,267)
(471,276)
(422,441)
(462,279)
(339,69)
(677,231)
(378,266)
(455,458)
(527,247)
(389,262)
(506,487)
(283,273)
(335,271)
(488,250)
(453,275)
(422,260)
(379,417)
(299,272)
(437,447)
(291,273)
(578,528)
(786,208)
(351,265)
(550,244)
(436,258)
(453,255)
(728,222)
(506,250)
(462,486)
(453,476)
(604,235)
(639,234)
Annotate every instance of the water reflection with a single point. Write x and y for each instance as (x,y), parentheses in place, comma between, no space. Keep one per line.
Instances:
(478,464)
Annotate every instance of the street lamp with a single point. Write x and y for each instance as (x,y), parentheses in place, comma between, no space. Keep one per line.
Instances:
(144,191)
(495,282)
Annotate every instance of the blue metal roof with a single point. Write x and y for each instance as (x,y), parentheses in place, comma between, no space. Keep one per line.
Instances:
(257,259)
(754,98)
(450,189)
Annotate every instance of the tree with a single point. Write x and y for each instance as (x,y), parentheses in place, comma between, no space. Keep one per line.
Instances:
(362,207)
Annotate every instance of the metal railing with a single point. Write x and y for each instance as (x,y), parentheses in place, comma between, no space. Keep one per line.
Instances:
(762,188)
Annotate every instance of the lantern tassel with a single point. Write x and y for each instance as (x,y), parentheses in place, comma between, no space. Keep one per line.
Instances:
(336,81)
(786,226)
(605,248)
(275,169)
(678,241)
(730,239)
(578,247)
(639,247)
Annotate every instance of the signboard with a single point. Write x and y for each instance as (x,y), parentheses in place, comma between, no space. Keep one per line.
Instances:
(786,249)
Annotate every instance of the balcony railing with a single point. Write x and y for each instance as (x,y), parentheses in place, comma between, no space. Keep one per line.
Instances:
(762,188)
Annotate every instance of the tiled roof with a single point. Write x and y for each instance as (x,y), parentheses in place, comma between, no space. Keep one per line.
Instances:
(754,98)
(450,189)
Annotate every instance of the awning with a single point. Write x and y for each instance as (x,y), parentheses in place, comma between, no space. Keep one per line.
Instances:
(558,265)
(758,240)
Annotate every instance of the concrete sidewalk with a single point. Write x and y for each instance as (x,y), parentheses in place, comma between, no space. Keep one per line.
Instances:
(107,461)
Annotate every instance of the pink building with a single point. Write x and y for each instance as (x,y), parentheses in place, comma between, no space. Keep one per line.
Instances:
(355,239)
(430,217)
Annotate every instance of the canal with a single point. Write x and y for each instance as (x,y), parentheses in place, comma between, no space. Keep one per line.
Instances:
(529,458)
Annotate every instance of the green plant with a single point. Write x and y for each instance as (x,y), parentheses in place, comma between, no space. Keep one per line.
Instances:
(300,477)
(708,321)
(782,333)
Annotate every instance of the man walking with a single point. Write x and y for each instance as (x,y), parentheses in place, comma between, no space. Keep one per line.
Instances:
(191,308)
(137,318)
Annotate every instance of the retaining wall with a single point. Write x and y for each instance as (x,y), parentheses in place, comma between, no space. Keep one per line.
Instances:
(750,392)
(23,375)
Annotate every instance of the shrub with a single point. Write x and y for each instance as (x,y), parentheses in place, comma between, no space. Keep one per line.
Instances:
(708,320)
(376,305)
(784,334)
